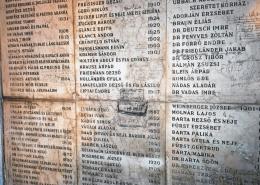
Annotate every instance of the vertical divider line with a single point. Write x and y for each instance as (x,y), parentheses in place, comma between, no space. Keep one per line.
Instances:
(165,94)
(2,142)
(2,150)
(75,97)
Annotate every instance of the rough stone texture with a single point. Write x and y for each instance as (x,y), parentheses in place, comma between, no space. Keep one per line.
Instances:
(134,86)
(37,49)
(213,58)
(120,147)
(212,144)
(40,142)
(120,45)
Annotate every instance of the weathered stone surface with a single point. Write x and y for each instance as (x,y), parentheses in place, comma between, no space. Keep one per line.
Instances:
(131,58)
(40,143)
(117,147)
(37,49)
(120,45)
(212,144)
(213,51)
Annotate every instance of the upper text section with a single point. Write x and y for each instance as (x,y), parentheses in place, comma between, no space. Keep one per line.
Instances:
(37,48)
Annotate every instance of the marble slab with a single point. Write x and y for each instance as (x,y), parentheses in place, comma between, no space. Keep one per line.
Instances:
(120,45)
(213,51)
(37,49)
(120,147)
(40,143)
(212,144)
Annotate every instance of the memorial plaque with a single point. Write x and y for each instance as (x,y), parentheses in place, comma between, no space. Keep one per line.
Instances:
(213,51)
(140,83)
(120,143)
(213,144)
(37,49)
(40,143)
(120,45)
